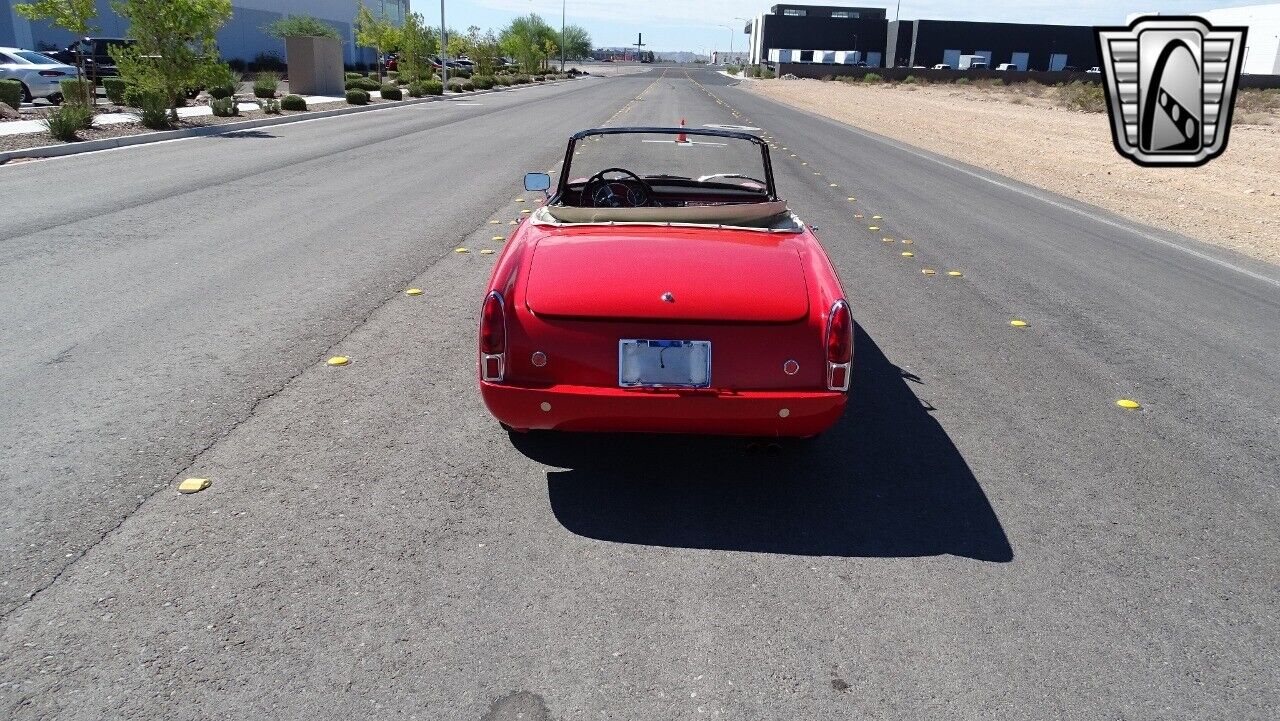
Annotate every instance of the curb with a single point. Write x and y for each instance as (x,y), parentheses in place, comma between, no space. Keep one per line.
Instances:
(89,146)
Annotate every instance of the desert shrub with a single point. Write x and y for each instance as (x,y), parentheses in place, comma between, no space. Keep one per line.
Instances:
(365,84)
(77,91)
(459,73)
(403,80)
(65,122)
(503,80)
(872,78)
(293,102)
(391,92)
(1084,96)
(417,90)
(482,82)
(268,61)
(433,87)
(1252,100)
(909,80)
(11,93)
(270,106)
(154,107)
(115,88)
(358,97)
(354,76)
(393,74)
(218,92)
(522,80)
(266,85)
(539,78)
(461,85)
(962,81)
(224,107)
(733,69)
(767,74)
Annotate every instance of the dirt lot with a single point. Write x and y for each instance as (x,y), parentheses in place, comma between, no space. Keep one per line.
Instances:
(1233,202)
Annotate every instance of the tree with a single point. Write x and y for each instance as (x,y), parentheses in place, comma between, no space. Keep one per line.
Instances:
(484,51)
(417,44)
(576,43)
(526,39)
(175,46)
(73,15)
(301,26)
(375,32)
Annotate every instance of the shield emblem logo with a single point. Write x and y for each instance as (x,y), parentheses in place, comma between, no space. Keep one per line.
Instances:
(1171,88)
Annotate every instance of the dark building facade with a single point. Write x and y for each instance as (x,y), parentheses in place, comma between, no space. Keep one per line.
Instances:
(884,43)
(814,27)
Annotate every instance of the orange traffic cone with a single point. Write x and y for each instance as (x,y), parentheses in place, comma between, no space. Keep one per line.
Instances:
(682,138)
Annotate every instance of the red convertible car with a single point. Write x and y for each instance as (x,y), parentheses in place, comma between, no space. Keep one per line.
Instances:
(663,287)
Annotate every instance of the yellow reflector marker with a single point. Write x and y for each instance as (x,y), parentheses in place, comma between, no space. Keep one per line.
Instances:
(857,215)
(1128,404)
(886,240)
(461,250)
(905,241)
(194,485)
(499,237)
(877,217)
(908,254)
(519,200)
(486,251)
(928,271)
(793,156)
(874,227)
(834,185)
(512,222)
(526,211)
(803,163)
(954,273)
(495,222)
(1018,323)
(413,291)
(851,198)
(338,360)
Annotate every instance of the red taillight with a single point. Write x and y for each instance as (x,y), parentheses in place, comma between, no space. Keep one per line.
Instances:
(493,338)
(839,346)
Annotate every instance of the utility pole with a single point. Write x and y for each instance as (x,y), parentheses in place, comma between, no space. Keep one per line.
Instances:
(639,44)
(444,50)
(745,20)
(562,4)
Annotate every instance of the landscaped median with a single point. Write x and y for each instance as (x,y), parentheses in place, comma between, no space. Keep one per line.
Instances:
(120,126)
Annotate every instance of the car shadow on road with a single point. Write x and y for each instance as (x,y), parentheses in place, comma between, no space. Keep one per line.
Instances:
(886,481)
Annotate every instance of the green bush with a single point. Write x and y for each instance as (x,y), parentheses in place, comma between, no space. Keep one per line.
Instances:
(433,87)
(302,25)
(872,78)
(293,102)
(909,80)
(155,110)
(482,82)
(767,74)
(266,85)
(416,90)
(522,80)
(115,88)
(962,81)
(459,73)
(65,122)
(391,92)
(1084,96)
(270,106)
(461,85)
(11,93)
(224,108)
(354,76)
(358,97)
(503,80)
(539,78)
(219,92)
(393,74)
(77,91)
(366,84)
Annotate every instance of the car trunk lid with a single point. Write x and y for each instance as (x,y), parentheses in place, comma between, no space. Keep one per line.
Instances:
(733,276)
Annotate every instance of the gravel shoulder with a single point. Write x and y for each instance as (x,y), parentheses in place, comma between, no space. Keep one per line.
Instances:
(1233,202)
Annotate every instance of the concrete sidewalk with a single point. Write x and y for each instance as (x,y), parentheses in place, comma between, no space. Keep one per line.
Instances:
(23,127)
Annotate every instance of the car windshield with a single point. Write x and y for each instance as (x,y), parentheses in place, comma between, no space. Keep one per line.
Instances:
(651,155)
(35,58)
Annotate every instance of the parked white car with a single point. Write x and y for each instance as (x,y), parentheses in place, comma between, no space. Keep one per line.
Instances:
(40,75)
(1007,67)
(941,66)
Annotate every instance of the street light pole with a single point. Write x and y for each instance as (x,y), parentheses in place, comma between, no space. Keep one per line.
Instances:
(562,4)
(745,20)
(444,50)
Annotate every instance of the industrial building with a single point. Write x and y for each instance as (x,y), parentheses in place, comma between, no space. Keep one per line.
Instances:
(1262,43)
(853,35)
(241,38)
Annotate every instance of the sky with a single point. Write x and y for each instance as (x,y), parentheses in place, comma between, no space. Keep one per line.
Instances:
(703,25)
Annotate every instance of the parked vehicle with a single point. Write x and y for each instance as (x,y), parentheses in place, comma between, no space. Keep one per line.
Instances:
(41,76)
(1007,67)
(973,62)
(679,295)
(941,66)
(98,62)
(1095,70)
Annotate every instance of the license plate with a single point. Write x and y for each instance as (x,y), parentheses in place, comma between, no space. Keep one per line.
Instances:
(664,363)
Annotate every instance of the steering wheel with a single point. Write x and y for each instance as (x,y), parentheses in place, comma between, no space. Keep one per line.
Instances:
(602,195)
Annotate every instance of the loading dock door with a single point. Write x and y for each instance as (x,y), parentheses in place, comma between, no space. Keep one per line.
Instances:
(873,60)
(986,54)
(952,58)
(1021,60)
(1057,61)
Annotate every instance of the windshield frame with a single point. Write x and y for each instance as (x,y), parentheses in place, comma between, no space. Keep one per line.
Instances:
(563,186)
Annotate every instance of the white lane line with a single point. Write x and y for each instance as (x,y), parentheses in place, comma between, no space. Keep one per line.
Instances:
(1055,203)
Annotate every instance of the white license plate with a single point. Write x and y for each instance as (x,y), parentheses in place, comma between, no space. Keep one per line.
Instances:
(664,363)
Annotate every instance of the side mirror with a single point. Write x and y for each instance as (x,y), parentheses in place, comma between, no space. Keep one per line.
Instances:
(537,182)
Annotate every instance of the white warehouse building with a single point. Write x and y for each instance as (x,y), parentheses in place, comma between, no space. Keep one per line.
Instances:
(241,38)
(1262,45)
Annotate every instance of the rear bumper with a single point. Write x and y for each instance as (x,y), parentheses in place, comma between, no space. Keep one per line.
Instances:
(586,408)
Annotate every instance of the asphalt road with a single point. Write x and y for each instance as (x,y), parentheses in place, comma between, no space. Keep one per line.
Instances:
(985,534)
